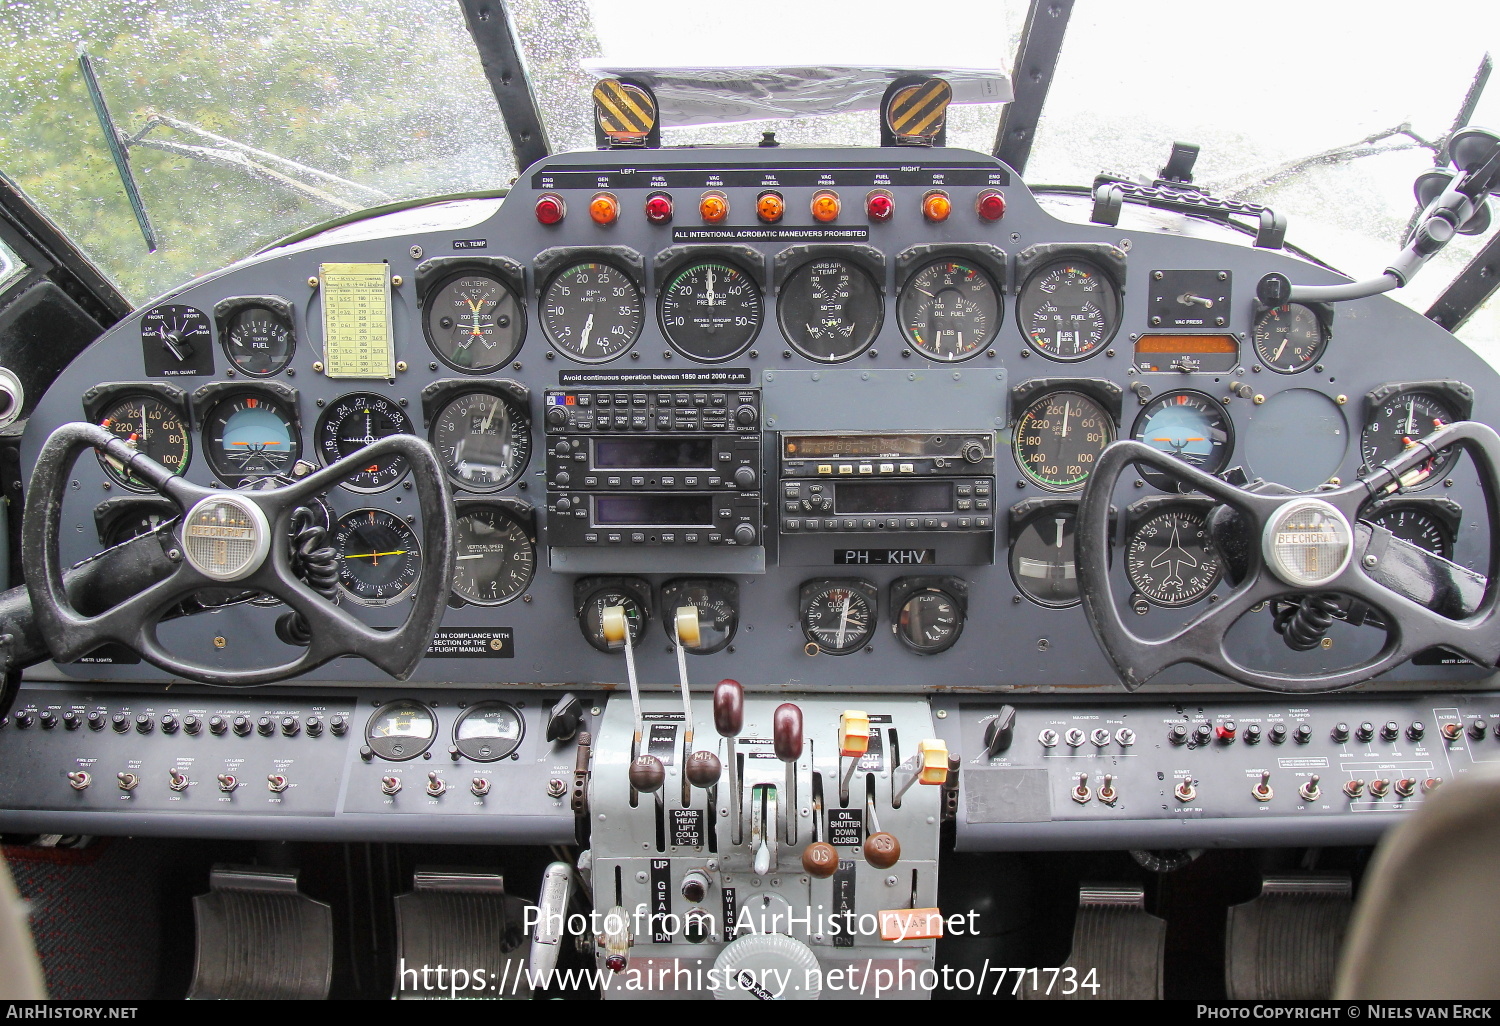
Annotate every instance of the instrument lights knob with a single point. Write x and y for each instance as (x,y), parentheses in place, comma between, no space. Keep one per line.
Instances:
(770,207)
(713,207)
(936,206)
(825,205)
(550,208)
(658,208)
(990,205)
(880,205)
(604,209)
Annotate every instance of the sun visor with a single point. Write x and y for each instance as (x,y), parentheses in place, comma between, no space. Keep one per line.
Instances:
(691,96)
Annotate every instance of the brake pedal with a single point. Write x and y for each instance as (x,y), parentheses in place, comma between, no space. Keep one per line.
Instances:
(1116,937)
(260,938)
(466,923)
(1285,944)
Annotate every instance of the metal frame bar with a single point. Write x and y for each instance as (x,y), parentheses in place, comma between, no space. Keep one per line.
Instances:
(1031,78)
(504,64)
(1469,289)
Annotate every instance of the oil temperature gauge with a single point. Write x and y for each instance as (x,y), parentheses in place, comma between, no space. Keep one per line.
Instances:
(838,615)
(717,602)
(593,595)
(928,612)
(488,731)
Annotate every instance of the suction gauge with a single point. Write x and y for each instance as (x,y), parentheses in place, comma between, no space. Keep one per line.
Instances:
(1289,338)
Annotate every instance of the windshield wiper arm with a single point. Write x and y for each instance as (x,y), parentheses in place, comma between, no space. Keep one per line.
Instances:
(113,138)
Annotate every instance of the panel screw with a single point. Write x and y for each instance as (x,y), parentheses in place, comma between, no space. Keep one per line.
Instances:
(416,252)
(318,367)
(1341,399)
(219,642)
(397,281)
(1259,399)
(1372,559)
(400,366)
(1157,275)
(312,281)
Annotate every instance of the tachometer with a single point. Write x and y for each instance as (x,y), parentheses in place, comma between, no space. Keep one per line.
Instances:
(494,556)
(1189,425)
(1068,309)
(380,558)
(250,434)
(591,312)
(838,616)
(949,310)
(258,339)
(1289,338)
(1059,436)
(148,425)
(710,311)
(483,439)
(830,310)
(1402,419)
(354,421)
(1170,558)
(474,322)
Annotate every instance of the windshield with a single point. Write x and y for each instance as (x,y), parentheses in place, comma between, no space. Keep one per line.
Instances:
(253,119)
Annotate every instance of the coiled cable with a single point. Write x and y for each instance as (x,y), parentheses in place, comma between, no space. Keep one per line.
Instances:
(316,564)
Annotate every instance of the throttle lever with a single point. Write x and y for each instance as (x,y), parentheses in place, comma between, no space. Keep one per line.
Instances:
(729,720)
(786,736)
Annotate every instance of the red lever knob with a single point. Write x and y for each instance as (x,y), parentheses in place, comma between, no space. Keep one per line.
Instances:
(786,732)
(729,708)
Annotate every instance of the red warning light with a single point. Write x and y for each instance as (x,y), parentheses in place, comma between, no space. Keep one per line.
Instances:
(658,208)
(880,205)
(990,205)
(549,208)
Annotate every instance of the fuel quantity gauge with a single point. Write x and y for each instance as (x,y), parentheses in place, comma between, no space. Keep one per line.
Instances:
(257,333)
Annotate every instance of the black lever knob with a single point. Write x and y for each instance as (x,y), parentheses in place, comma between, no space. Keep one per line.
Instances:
(1001,731)
(565,718)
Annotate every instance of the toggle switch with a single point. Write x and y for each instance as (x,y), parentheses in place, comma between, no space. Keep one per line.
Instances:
(1107,793)
(228,782)
(479,787)
(1379,788)
(1309,790)
(435,785)
(177,780)
(1354,788)
(79,780)
(1262,792)
(1082,793)
(1406,787)
(390,785)
(128,781)
(277,783)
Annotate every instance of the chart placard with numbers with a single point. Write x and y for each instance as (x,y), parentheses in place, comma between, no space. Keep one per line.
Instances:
(357,321)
